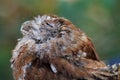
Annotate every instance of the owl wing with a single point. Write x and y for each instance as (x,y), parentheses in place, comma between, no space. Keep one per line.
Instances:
(22,58)
(75,68)
(90,50)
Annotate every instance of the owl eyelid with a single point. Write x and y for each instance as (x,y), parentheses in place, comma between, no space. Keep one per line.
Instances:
(49,24)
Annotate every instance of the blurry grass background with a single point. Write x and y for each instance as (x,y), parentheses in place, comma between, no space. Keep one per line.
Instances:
(99,19)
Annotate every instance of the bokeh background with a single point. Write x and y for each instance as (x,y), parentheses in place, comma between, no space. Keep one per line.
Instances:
(99,19)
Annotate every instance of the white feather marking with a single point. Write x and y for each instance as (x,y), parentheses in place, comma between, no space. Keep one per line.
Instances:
(48,17)
(115,67)
(84,54)
(83,37)
(20,78)
(81,54)
(53,68)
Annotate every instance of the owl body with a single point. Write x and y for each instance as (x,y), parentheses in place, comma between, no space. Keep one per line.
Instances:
(52,48)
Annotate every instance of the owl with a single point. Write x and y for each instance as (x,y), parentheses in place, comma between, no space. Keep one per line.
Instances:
(52,48)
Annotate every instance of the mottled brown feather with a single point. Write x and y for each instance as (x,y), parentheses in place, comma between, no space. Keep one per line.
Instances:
(52,48)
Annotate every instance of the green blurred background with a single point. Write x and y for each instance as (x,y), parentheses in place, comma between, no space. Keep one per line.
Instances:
(99,19)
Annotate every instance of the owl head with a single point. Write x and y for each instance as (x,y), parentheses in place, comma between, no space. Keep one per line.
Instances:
(49,31)
(43,28)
